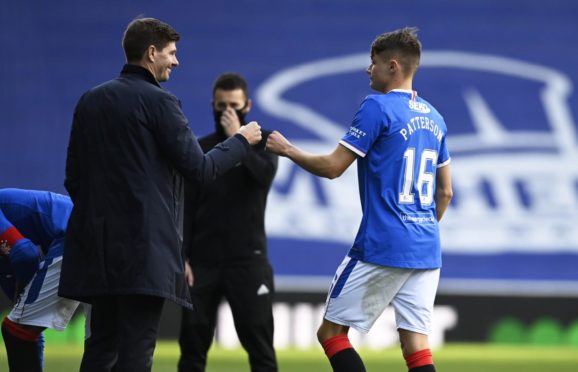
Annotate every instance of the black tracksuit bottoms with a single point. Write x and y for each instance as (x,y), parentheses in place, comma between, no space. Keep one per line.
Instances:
(249,290)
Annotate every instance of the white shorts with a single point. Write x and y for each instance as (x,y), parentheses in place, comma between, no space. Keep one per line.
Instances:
(39,304)
(361,291)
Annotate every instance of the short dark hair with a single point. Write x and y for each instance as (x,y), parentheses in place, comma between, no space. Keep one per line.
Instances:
(144,32)
(231,81)
(403,44)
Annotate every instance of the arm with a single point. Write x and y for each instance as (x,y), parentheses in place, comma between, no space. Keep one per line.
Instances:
(191,199)
(71,181)
(190,278)
(329,166)
(261,164)
(444,192)
(182,148)
(22,253)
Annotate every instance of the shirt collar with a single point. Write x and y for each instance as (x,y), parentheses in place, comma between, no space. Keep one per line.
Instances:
(409,91)
(141,71)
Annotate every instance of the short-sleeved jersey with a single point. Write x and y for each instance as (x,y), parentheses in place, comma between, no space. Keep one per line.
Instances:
(401,141)
(40,216)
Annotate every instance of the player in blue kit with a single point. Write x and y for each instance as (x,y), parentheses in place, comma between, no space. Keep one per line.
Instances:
(399,140)
(32,226)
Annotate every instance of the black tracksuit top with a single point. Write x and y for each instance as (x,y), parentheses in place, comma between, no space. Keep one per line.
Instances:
(225,220)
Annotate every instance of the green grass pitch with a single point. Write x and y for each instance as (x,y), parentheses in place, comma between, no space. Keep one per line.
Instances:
(451,358)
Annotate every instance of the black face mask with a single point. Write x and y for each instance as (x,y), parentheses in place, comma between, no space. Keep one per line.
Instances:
(217,115)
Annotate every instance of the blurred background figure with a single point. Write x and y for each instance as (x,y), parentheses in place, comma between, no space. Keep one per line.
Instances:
(226,244)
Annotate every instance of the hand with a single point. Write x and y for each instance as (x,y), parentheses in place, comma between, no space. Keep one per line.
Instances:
(230,122)
(4,248)
(277,144)
(252,132)
(189,277)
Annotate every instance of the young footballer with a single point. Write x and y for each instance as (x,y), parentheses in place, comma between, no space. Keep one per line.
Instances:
(399,140)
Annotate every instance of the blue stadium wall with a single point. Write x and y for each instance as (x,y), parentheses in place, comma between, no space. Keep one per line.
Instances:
(501,72)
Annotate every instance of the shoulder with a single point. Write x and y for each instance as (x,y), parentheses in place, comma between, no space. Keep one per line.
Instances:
(155,97)
(431,108)
(13,199)
(32,197)
(372,105)
(132,84)
(375,101)
(374,98)
(434,109)
(60,199)
(127,93)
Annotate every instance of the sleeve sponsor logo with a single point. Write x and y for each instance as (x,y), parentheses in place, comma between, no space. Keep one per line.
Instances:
(356,132)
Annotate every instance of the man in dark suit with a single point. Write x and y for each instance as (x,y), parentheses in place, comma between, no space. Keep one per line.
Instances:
(129,147)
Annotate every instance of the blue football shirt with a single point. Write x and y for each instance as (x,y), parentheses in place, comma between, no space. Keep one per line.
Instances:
(41,218)
(400,139)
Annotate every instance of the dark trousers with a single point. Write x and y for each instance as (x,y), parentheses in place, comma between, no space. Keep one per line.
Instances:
(123,333)
(251,308)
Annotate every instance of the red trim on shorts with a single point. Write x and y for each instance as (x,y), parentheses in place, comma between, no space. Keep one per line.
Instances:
(11,235)
(419,358)
(17,331)
(335,344)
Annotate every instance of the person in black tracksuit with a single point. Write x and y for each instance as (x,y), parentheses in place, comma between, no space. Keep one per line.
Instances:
(226,244)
